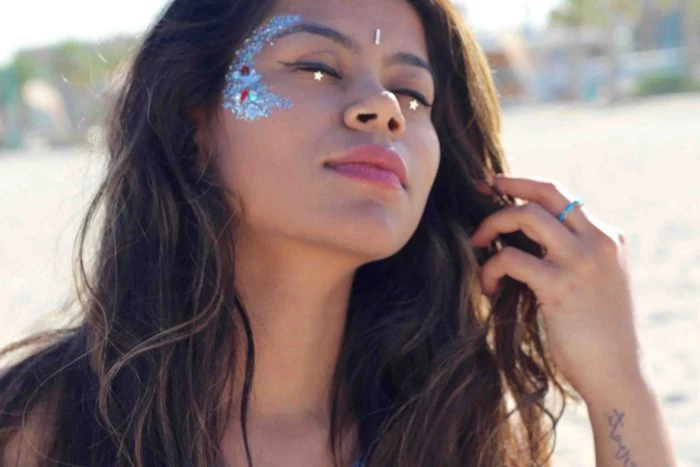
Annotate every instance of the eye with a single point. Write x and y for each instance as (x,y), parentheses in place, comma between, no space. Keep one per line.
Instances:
(414,94)
(314,67)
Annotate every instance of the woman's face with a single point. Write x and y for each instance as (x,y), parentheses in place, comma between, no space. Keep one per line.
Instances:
(363,94)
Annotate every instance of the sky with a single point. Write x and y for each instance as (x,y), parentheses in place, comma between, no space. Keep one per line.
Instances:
(30,23)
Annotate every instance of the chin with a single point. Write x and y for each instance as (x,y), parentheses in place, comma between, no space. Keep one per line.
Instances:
(368,248)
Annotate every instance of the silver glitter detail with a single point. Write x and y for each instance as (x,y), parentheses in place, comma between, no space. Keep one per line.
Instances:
(245,95)
(377,36)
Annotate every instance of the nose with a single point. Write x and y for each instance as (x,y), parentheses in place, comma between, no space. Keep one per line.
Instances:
(377,113)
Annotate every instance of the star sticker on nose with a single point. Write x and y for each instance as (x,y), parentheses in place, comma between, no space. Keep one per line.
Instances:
(318,76)
(413,105)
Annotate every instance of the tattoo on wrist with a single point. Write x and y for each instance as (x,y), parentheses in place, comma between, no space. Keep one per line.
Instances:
(616,424)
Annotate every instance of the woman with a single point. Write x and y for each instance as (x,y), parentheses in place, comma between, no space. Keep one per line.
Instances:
(300,263)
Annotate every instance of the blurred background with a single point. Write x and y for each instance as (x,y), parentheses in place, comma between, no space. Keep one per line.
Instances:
(600,95)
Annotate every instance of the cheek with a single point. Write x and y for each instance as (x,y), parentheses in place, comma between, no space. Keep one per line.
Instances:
(283,143)
(265,158)
(427,158)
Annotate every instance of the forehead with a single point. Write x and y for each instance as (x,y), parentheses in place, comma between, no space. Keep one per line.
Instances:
(400,24)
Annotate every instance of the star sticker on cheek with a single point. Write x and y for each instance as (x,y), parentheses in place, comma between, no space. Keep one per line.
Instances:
(413,105)
(318,76)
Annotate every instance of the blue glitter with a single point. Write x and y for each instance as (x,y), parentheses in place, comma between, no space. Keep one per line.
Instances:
(245,95)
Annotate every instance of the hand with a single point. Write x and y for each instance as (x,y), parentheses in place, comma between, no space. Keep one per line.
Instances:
(582,283)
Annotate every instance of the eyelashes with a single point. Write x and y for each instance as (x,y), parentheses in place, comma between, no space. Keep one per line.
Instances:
(313,67)
(411,93)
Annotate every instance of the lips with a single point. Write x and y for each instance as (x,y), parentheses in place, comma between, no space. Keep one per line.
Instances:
(373,155)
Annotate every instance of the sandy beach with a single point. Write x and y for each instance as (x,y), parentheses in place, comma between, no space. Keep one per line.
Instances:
(636,166)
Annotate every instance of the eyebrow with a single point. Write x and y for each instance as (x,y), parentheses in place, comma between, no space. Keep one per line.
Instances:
(403,58)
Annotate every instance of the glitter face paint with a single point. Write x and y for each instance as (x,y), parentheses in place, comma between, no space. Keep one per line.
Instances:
(245,95)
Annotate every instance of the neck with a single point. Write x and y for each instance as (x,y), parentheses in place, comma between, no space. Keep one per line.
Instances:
(296,300)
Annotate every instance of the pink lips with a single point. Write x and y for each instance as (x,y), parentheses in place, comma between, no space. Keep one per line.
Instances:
(372,162)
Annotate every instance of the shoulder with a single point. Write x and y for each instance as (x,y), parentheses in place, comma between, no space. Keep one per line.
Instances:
(29,393)
(28,444)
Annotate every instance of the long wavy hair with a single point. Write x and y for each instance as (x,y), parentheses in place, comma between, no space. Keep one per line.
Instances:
(436,372)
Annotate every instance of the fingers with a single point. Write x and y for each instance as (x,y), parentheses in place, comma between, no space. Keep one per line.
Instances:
(566,241)
(519,265)
(533,221)
(549,194)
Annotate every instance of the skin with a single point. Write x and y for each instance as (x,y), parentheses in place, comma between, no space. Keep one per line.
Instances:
(305,229)
(587,308)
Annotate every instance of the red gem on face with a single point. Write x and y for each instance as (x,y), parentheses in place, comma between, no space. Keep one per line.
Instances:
(245,70)
(244,95)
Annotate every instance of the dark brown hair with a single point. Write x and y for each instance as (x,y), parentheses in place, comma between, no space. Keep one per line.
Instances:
(438,374)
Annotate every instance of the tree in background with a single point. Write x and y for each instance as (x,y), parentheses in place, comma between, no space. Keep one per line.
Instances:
(690,12)
(22,68)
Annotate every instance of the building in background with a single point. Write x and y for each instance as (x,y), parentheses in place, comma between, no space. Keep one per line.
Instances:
(53,95)
(511,65)
(658,28)
(601,59)
(575,64)
(57,92)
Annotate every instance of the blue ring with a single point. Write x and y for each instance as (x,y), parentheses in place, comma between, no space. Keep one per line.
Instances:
(572,205)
